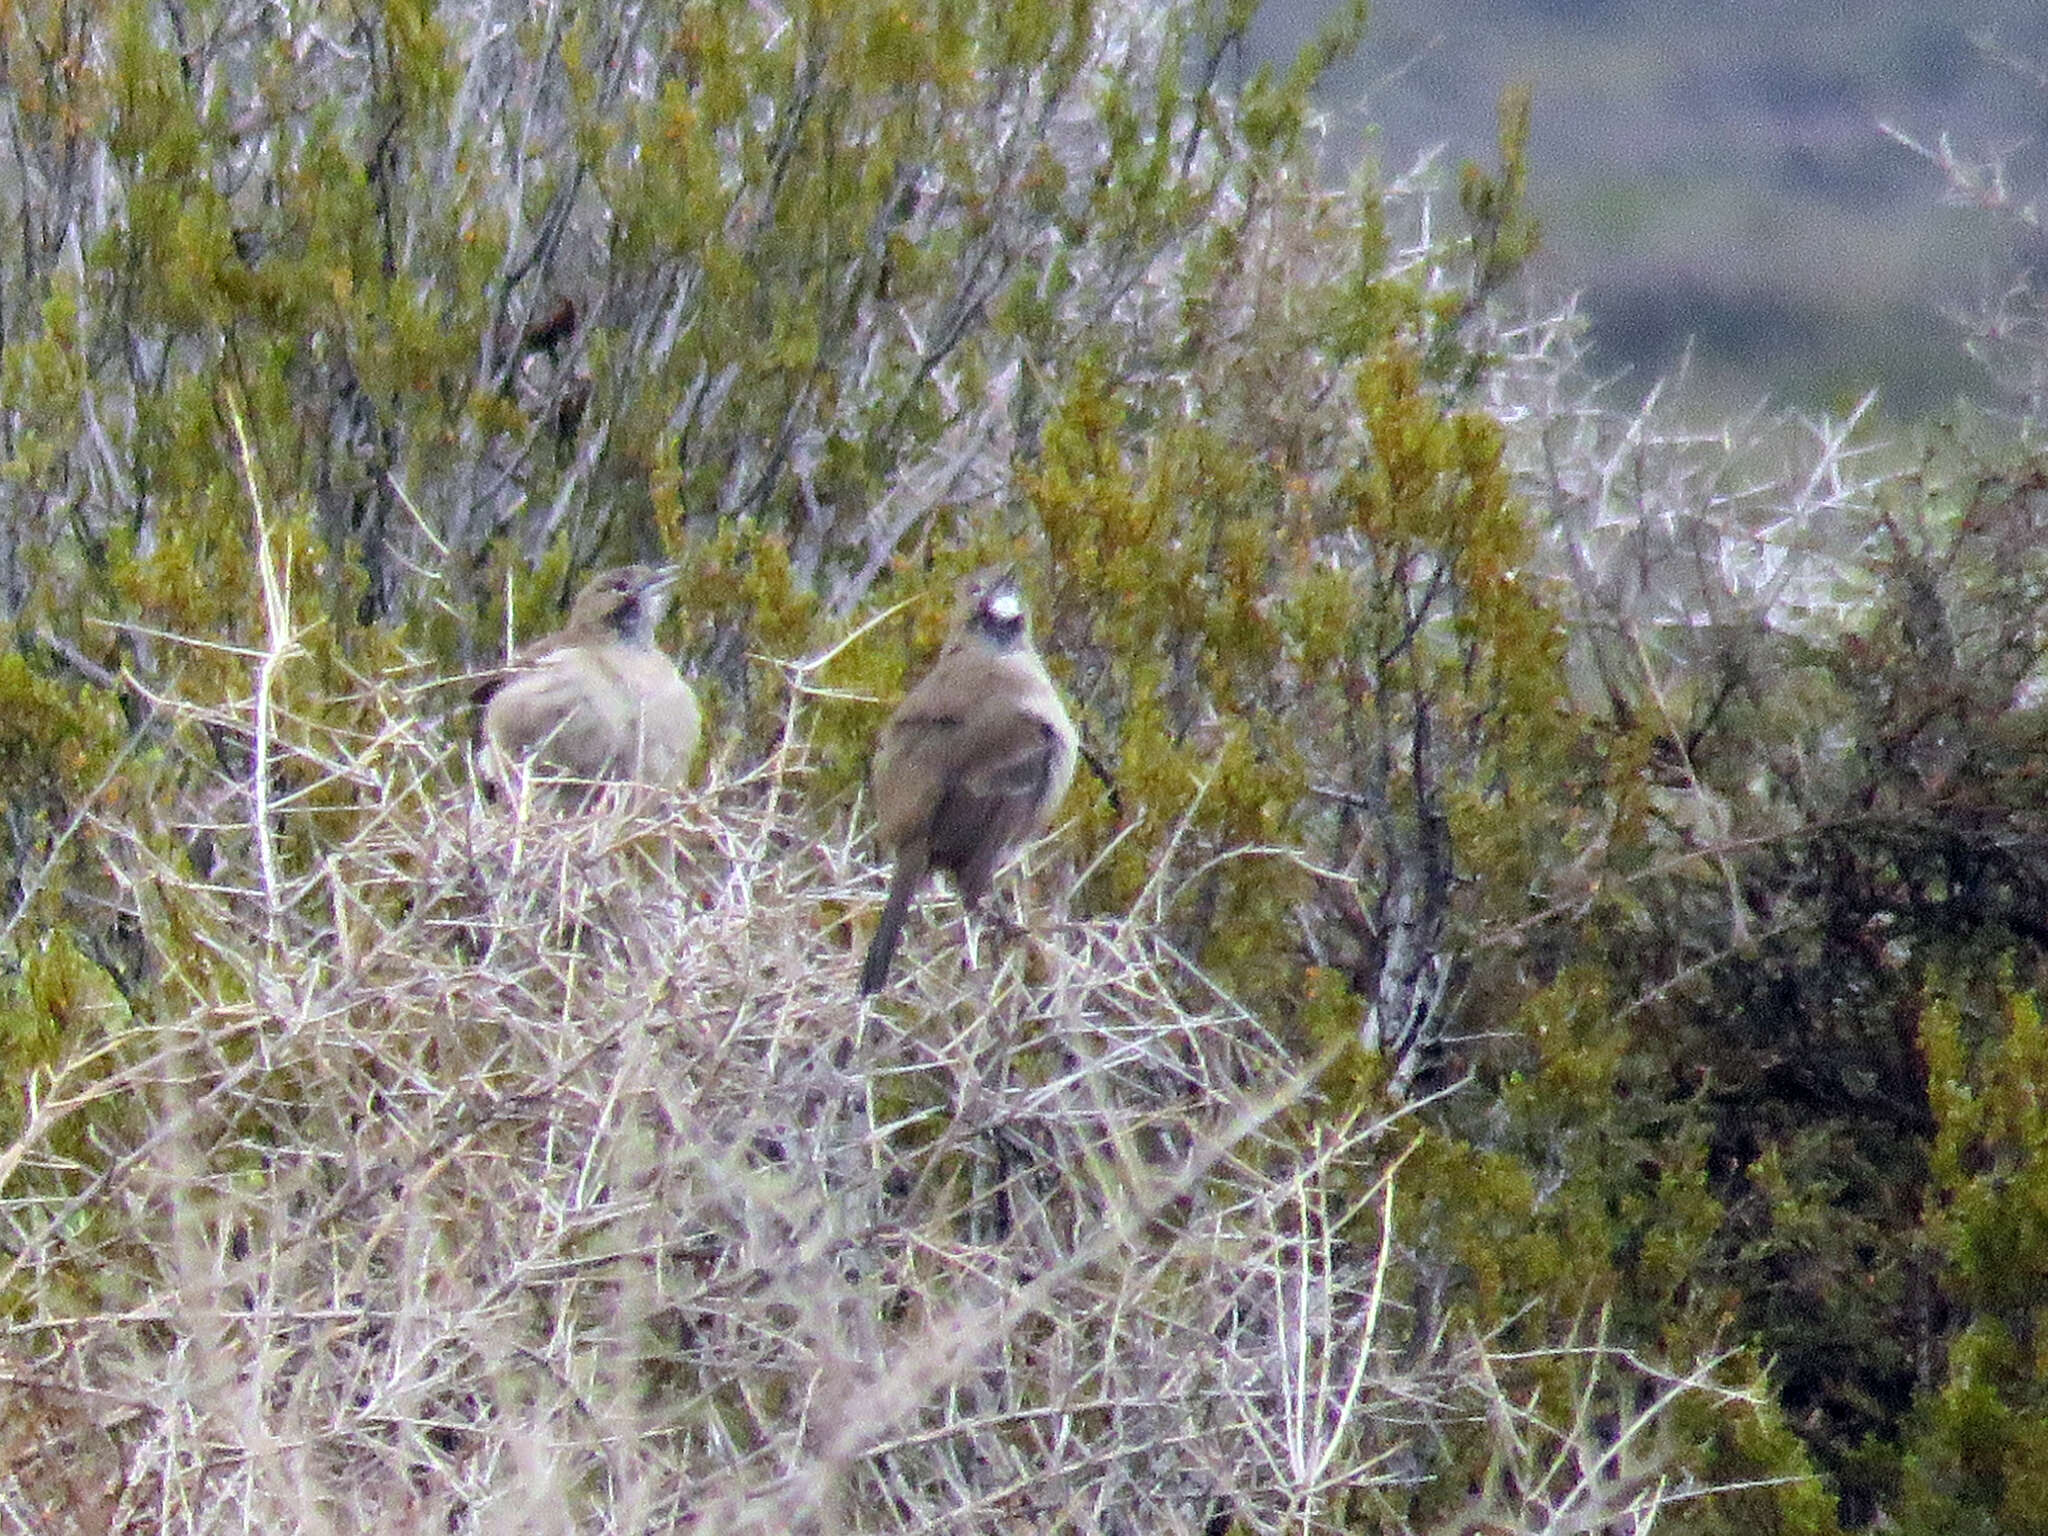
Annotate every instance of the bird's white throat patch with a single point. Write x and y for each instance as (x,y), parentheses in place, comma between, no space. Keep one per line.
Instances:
(1005,608)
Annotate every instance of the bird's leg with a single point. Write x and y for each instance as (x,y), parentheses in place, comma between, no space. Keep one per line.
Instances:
(988,915)
(1010,920)
(1004,911)
(970,958)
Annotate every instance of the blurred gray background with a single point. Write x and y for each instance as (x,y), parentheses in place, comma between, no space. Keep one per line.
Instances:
(1712,173)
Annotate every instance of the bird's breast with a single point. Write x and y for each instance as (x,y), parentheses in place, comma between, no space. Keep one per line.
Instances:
(599,712)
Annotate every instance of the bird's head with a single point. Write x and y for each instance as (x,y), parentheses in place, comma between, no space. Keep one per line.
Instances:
(627,602)
(992,608)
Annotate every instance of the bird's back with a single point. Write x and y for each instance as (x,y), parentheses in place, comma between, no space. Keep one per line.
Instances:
(973,760)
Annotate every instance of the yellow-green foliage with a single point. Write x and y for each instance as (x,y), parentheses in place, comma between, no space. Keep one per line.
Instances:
(1980,1459)
(63,1037)
(1268,652)
(59,999)
(62,757)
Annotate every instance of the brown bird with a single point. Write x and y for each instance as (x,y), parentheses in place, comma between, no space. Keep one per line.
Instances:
(973,762)
(548,331)
(597,700)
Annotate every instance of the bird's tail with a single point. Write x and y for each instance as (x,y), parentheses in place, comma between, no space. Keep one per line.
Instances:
(874,973)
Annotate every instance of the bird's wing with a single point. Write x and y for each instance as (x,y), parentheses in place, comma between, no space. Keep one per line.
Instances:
(1009,755)
(528,658)
(1004,767)
(569,709)
(908,771)
(975,726)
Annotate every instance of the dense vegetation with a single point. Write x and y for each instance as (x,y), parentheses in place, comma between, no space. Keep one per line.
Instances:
(1533,1027)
